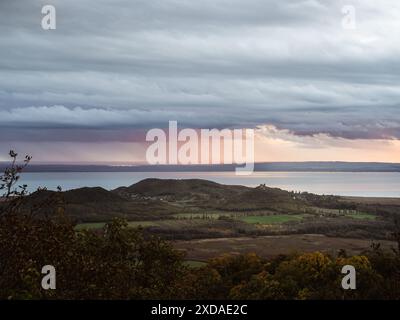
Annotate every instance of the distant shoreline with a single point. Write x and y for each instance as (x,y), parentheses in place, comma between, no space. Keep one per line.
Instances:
(365,184)
(258,167)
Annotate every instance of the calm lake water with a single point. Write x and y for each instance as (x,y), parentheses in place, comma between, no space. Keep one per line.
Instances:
(369,184)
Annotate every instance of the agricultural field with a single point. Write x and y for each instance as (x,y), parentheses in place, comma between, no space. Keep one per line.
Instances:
(272,219)
(90,225)
(204,236)
(362,216)
(195,264)
(201,219)
(269,246)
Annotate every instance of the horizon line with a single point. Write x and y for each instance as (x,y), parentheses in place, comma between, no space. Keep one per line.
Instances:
(139,164)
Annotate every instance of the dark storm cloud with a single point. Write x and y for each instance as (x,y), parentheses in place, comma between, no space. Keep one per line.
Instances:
(214,63)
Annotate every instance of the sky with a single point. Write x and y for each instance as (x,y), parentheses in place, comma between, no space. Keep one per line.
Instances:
(313,87)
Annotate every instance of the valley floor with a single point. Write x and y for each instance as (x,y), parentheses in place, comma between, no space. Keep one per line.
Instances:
(270,246)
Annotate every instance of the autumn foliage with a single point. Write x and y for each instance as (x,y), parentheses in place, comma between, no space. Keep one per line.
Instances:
(119,262)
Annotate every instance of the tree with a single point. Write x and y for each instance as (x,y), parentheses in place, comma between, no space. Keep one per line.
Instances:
(11,176)
(116,262)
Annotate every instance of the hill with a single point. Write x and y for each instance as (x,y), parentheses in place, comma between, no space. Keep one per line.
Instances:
(96,204)
(180,190)
(158,199)
(211,195)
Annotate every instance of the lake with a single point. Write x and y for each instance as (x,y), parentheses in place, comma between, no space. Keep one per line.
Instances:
(368,184)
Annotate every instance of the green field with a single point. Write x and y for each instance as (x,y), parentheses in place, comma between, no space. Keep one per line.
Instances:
(361,216)
(275,219)
(195,264)
(191,220)
(136,224)
(200,220)
(211,215)
(89,225)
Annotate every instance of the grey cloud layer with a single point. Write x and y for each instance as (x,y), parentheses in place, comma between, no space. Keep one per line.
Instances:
(212,63)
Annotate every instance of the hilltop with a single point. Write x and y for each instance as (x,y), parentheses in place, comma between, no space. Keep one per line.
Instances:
(181,190)
(211,195)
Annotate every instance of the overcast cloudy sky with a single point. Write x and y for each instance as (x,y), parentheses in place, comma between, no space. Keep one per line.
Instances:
(112,69)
